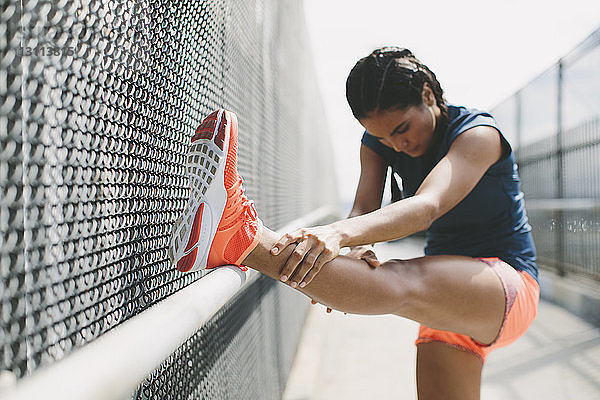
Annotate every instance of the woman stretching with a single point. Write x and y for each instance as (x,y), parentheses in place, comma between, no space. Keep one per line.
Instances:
(476,288)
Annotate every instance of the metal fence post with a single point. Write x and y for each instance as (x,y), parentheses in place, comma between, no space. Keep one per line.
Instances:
(560,187)
(518,128)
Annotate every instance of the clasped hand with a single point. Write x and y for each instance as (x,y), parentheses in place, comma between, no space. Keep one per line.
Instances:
(314,248)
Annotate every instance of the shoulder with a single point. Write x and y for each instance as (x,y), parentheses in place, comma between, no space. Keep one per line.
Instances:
(480,135)
(479,143)
(461,118)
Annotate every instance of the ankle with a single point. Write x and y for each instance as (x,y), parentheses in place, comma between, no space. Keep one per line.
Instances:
(261,254)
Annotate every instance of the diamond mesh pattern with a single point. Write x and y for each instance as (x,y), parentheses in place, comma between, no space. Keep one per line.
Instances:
(99,100)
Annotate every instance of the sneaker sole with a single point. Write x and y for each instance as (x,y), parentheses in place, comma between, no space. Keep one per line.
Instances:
(194,231)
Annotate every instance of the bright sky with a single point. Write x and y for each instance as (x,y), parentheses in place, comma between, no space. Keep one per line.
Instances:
(481,51)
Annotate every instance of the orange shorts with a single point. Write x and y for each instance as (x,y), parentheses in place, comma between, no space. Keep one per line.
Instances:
(522,294)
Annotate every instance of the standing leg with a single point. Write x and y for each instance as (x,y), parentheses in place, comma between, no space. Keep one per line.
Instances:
(445,372)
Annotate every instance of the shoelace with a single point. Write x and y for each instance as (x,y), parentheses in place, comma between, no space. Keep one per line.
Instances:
(240,203)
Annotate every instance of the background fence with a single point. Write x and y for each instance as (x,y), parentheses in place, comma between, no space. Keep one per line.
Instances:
(554,125)
(98,102)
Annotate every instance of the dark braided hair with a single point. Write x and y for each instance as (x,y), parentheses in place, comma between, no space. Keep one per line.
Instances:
(390,77)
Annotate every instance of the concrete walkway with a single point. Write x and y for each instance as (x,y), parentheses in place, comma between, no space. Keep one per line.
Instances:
(373,357)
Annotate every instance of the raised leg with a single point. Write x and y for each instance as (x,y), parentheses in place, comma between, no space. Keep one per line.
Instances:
(460,294)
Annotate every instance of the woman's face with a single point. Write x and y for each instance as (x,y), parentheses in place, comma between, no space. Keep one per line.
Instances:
(407,130)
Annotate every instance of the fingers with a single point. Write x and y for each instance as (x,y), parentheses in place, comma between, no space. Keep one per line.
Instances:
(286,240)
(308,266)
(323,258)
(292,262)
(371,259)
(305,262)
(314,247)
(328,308)
(367,254)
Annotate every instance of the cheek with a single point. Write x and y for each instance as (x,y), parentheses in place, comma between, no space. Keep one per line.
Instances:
(424,131)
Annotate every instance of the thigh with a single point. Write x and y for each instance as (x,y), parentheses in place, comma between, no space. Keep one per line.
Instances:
(445,372)
(453,293)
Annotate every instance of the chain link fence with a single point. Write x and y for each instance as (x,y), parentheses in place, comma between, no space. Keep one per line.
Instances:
(554,125)
(98,102)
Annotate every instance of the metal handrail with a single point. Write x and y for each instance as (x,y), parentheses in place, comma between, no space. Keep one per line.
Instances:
(562,204)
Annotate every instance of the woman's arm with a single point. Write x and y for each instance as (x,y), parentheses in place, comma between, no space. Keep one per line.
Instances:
(450,181)
(368,197)
(371,183)
(369,194)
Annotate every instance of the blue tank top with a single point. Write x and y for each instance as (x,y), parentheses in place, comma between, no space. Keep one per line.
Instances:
(491,221)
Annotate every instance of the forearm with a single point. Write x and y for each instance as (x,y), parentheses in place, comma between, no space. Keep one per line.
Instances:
(364,207)
(358,211)
(395,221)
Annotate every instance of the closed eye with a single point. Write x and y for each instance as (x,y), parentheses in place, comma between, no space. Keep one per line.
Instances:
(401,131)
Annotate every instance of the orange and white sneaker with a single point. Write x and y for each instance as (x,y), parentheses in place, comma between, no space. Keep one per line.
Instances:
(219,225)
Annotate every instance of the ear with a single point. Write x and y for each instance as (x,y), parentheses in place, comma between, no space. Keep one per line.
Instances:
(428,96)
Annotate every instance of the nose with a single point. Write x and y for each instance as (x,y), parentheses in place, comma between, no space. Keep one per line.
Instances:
(389,143)
(400,145)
